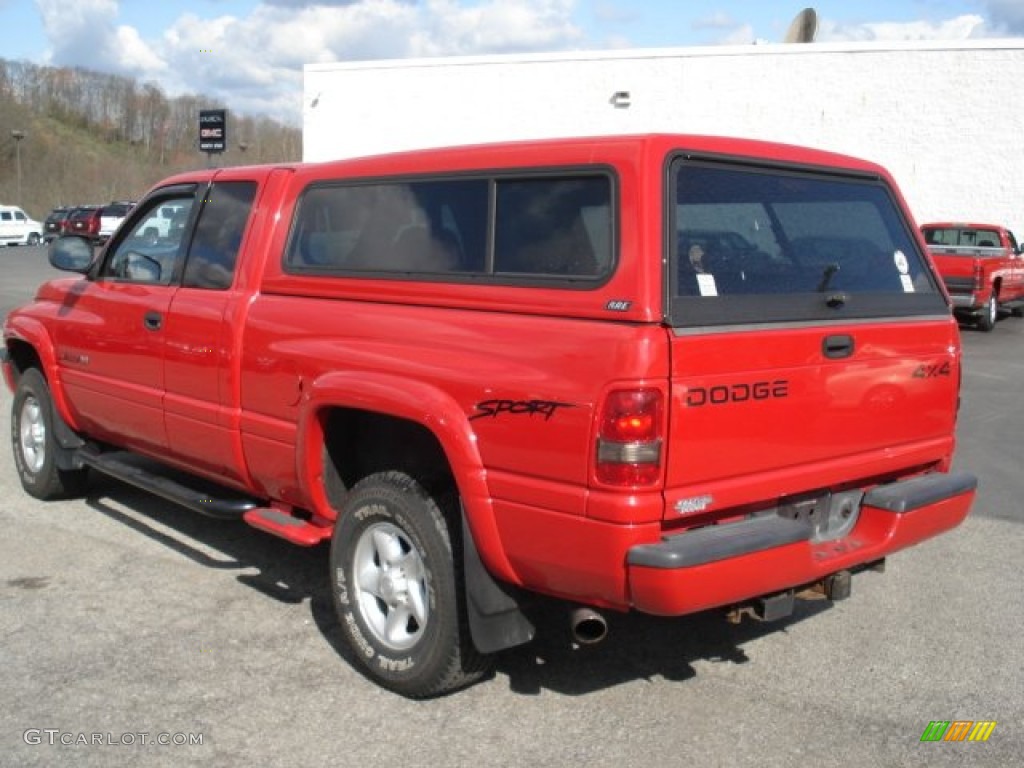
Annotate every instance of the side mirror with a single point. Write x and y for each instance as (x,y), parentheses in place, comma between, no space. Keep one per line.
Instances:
(71,253)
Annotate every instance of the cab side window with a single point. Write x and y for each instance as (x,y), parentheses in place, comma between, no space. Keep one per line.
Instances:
(153,249)
(222,221)
(553,226)
(545,226)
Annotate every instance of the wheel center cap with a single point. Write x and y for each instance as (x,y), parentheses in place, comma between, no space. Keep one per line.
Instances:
(388,587)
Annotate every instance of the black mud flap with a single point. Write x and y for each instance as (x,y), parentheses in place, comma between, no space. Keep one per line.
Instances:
(495,620)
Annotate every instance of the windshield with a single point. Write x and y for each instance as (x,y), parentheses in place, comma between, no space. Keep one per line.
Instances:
(755,245)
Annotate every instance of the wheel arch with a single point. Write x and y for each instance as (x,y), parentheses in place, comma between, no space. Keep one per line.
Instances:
(410,414)
(29,346)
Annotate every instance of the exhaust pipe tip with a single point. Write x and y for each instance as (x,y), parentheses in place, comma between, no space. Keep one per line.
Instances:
(588,626)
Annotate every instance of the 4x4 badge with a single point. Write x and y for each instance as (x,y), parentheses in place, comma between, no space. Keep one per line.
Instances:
(695,504)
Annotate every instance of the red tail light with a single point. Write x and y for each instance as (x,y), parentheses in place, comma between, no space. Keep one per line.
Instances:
(629,437)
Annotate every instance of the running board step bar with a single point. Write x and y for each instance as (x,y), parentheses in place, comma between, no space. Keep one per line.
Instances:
(287,527)
(223,505)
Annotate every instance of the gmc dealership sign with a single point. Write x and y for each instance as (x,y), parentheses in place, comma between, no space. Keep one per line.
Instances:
(213,130)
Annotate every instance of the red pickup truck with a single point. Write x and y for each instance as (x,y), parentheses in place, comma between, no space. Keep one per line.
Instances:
(656,373)
(982,267)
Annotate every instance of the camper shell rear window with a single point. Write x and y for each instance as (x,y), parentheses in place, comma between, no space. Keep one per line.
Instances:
(754,244)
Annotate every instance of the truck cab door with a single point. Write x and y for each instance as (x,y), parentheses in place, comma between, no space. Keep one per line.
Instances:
(110,342)
(204,325)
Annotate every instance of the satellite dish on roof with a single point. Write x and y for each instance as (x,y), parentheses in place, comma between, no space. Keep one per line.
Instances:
(803,27)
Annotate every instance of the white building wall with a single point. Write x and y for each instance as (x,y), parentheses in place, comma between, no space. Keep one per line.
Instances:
(946,119)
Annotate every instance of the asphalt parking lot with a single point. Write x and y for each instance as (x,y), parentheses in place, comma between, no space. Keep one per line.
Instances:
(126,620)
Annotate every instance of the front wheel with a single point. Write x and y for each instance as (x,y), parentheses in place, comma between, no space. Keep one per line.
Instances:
(398,590)
(988,320)
(34,443)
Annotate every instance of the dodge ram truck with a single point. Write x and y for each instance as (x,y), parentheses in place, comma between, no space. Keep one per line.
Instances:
(982,267)
(655,373)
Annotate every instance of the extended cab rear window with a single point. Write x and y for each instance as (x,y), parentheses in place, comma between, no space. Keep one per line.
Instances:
(539,228)
(966,237)
(755,245)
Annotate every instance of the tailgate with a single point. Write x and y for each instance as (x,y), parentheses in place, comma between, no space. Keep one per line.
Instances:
(758,415)
(812,348)
(958,269)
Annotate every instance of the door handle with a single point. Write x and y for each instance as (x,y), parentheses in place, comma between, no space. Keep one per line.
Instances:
(153,321)
(837,346)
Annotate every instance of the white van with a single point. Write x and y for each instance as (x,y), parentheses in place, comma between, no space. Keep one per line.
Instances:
(16,228)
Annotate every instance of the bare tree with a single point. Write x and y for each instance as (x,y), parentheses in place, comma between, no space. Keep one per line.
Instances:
(92,137)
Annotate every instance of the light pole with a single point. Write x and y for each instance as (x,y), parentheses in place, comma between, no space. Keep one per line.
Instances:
(18,136)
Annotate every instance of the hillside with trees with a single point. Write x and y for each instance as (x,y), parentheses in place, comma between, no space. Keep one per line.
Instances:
(90,138)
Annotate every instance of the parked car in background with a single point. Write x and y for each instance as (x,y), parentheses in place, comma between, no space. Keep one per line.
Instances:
(982,268)
(165,222)
(18,228)
(111,217)
(53,227)
(84,221)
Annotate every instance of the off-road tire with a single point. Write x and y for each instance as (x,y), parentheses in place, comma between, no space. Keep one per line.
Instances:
(987,320)
(34,442)
(398,588)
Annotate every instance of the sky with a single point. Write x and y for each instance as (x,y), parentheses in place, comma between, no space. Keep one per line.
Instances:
(250,53)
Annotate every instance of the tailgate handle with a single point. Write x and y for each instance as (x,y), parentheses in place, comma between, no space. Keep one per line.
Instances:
(838,346)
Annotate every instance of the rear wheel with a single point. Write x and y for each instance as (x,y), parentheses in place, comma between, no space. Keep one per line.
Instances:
(398,590)
(33,238)
(987,321)
(35,446)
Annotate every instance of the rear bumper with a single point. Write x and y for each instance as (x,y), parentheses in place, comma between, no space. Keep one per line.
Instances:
(727,564)
(964,301)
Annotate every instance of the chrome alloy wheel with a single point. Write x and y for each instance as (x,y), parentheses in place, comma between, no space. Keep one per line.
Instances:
(32,434)
(390,585)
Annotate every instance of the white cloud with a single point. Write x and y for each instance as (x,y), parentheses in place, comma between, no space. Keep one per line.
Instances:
(959,28)
(498,26)
(612,13)
(254,63)
(85,33)
(717,20)
(740,35)
(135,54)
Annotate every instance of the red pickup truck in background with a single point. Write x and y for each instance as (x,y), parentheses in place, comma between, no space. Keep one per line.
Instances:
(653,373)
(982,268)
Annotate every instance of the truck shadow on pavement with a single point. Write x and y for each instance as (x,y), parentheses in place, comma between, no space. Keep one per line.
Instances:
(637,647)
